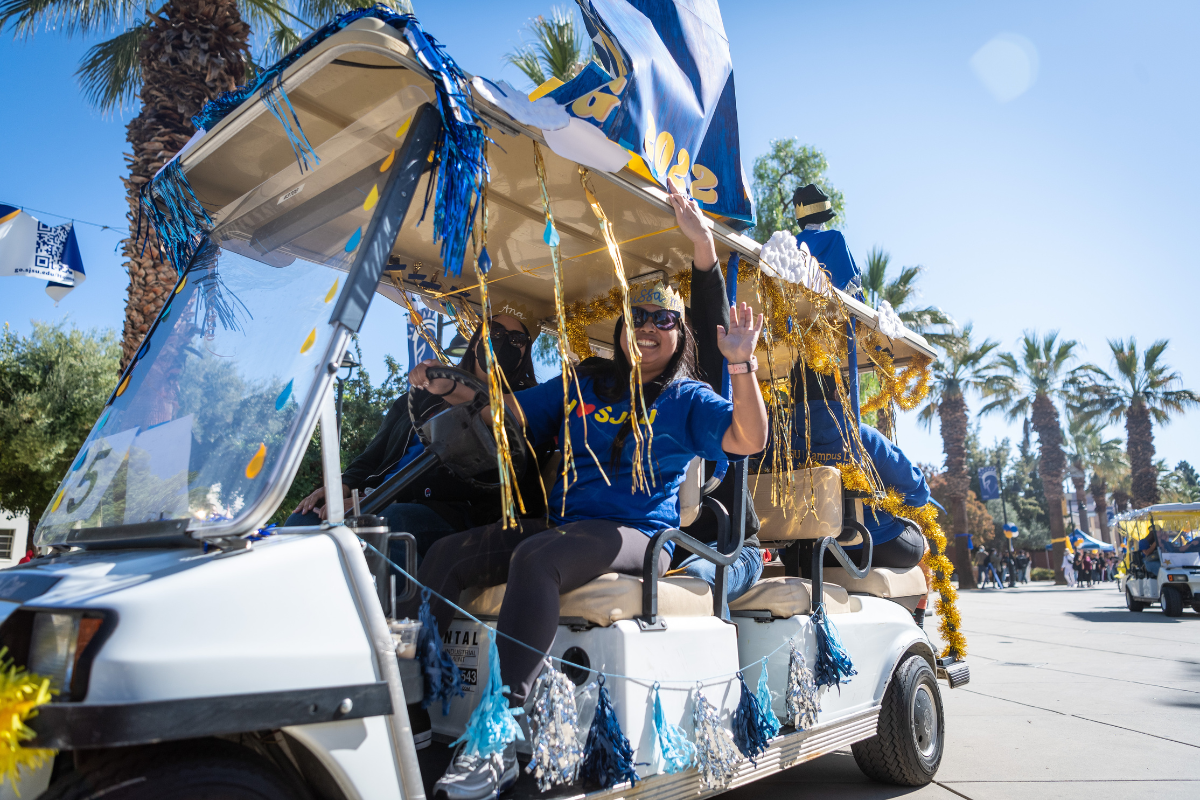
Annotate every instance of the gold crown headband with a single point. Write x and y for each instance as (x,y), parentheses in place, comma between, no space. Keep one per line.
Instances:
(655,293)
(813,208)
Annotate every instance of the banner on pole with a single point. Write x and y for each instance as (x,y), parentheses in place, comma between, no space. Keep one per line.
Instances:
(989,484)
(419,349)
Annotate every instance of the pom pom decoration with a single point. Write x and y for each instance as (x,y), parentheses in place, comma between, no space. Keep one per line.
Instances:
(769,721)
(749,727)
(491,726)
(607,755)
(890,324)
(554,723)
(20,694)
(802,700)
(716,752)
(792,263)
(677,752)
(443,679)
(833,664)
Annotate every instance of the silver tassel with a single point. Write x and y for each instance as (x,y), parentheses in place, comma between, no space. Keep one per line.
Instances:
(716,754)
(554,723)
(802,700)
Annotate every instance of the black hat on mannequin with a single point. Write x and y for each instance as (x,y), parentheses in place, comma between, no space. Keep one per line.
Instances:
(812,205)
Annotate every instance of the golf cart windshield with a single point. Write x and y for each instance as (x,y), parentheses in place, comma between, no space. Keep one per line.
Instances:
(210,418)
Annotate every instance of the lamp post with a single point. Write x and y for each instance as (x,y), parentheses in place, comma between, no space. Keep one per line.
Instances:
(348,364)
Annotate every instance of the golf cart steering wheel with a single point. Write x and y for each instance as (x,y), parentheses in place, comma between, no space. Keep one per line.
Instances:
(461,436)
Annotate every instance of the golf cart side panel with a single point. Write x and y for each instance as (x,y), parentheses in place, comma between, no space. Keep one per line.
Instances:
(357,753)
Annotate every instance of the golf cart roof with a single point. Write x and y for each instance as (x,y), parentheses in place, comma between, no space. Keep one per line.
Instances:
(247,159)
(1162,511)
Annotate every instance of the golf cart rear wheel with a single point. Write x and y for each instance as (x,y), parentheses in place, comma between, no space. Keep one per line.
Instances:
(1171,602)
(155,773)
(1133,605)
(907,747)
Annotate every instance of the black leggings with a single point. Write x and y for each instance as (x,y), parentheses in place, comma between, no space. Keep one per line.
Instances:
(903,552)
(538,564)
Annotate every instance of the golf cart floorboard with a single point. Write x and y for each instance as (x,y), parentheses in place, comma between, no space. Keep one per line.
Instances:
(786,751)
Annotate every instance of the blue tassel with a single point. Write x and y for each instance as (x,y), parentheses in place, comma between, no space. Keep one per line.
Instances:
(607,756)
(443,680)
(485,261)
(276,100)
(747,725)
(832,665)
(491,727)
(677,752)
(176,216)
(769,722)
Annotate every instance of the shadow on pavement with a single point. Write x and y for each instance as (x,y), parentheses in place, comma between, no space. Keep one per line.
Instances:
(834,775)
(1124,615)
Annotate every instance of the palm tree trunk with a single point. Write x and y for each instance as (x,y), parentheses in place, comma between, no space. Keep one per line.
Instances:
(1099,490)
(1121,499)
(1140,445)
(195,49)
(952,412)
(1050,467)
(1081,502)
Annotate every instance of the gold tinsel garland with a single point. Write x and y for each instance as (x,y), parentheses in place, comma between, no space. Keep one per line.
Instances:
(21,693)
(893,387)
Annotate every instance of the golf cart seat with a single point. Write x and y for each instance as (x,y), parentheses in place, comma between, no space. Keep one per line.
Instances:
(820,507)
(904,586)
(789,597)
(607,599)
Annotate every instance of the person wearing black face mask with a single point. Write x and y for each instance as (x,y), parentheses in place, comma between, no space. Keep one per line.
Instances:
(438,503)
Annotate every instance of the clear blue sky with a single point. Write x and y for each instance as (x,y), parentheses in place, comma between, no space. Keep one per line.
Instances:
(1066,206)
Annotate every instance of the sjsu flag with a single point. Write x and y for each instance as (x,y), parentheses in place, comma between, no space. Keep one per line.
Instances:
(666,94)
(418,348)
(33,249)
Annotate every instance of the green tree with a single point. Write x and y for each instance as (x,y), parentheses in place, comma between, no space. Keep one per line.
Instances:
(53,385)
(169,61)
(1089,451)
(963,369)
(1029,385)
(778,174)
(1181,485)
(560,47)
(1143,391)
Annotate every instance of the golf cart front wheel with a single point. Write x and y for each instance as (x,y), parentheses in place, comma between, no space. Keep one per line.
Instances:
(155,773)
(906,749)
(1131,604)
(1171,602)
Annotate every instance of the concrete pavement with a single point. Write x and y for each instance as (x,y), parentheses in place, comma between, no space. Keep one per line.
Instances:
(1071,696)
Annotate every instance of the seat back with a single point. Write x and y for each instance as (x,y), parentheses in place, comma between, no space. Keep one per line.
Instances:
(816,511)
(690,495)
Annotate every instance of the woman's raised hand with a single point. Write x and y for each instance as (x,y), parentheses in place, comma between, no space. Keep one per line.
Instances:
(737,344)
(695,226)
(419,379)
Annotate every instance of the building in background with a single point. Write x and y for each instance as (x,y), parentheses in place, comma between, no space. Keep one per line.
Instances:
(14,538)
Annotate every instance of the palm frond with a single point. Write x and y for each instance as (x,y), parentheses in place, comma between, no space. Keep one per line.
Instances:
(110,73)
(281,41)
(318,12)
(69,16)
(526,59)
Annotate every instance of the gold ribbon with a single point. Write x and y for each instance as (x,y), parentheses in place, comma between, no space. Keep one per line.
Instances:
(812,208)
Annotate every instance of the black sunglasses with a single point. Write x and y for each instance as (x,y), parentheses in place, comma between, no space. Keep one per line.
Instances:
(515,338)
(664,319)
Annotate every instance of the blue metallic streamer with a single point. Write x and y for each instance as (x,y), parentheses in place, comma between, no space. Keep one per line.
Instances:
(749,733)
(607,755)
(443,679)
(833,665)
(677,752)
(491,726)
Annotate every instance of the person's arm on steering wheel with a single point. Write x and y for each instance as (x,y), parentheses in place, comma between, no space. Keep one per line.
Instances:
(452,392)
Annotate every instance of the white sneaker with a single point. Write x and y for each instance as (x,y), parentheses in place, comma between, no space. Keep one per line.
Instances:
(471,777)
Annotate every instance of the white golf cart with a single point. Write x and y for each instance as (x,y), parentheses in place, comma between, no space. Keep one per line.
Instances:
(195,652)
(1162,563)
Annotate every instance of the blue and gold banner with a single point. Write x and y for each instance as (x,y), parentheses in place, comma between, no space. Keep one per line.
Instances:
(666,94)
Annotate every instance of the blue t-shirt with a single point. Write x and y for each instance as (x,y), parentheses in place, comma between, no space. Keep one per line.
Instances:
(829,247)
(688,419)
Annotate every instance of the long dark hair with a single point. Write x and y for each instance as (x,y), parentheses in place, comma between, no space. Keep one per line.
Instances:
(523,376)
(610,377)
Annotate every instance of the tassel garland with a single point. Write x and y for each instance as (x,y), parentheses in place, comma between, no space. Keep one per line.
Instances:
(749,727)
(716,752)
(181,222)
(554,723)
(491,726)
(833,665)
(443,679)
(20,695)
(803,703)
(607,756)
(677,752)
(276,100)
(770,722)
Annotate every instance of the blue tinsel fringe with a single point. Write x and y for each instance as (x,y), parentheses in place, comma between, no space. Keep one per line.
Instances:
(176,216)
(607,756)
(443,680)
(749,733)
(276,99)
(677,752)
(833,664)
(769,722)
(491,726)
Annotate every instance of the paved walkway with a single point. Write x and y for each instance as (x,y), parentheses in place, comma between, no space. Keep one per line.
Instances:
(1071,697)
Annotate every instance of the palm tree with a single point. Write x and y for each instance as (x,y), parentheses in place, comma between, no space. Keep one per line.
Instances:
(901,292)
(1087,449)
(1108,464)
(560,48)
(172,60)
(1028,386)
(963,368)
(1143,391)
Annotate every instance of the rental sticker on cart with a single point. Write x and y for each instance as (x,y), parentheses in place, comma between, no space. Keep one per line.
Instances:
(463,647)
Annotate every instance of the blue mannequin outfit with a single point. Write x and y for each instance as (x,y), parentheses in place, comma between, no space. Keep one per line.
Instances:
(829,247)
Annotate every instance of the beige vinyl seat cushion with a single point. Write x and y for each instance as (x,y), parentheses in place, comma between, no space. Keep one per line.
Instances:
(816,512)
(788,597)
(609,598)
(881,581)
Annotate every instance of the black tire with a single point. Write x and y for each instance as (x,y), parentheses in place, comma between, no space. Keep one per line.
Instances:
(1171,602)
(155,773)
(906,749)
(1137,606)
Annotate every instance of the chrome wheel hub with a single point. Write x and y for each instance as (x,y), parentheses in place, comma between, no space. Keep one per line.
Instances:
(924,722)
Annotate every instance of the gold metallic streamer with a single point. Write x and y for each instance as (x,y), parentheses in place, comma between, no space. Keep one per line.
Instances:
(418,323)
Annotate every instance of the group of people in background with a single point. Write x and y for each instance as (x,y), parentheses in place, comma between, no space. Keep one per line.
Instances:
(1083,568)
(1001,568)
